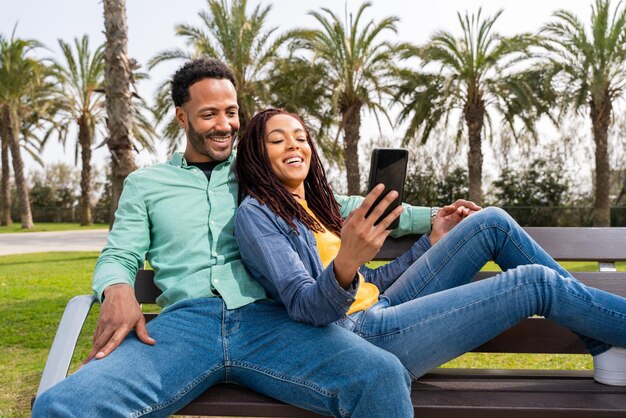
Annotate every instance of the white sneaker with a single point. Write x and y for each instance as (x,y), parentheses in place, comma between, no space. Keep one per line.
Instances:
(610,367)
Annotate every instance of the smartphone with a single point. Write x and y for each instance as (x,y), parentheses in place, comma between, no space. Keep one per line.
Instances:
(388,166)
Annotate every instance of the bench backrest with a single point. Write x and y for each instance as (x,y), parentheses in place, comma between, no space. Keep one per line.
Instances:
(535,335)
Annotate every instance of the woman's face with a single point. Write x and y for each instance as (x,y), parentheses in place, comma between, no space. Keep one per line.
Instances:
(288,151)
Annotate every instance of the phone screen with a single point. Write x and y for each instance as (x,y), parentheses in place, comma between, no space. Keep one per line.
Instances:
(388,166)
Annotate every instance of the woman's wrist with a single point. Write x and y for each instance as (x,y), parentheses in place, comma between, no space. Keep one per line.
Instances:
(344,271)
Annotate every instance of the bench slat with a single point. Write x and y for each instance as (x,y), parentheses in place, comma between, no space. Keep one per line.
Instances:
(582,243)
(535,336)
(449,393)
(145,289)
(565,244)
(615,282)
(233,400)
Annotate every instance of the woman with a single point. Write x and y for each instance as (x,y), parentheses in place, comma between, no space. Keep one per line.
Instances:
(423,306)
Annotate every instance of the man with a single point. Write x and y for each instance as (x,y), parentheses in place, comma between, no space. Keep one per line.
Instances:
(217,325)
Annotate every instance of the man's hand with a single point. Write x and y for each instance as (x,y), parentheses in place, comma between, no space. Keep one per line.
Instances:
(360,239)
(119,314)
(449,216)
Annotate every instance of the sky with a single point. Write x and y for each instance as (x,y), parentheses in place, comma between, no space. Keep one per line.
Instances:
(151,30)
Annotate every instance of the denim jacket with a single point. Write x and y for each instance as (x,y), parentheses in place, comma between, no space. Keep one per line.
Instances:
(288,265)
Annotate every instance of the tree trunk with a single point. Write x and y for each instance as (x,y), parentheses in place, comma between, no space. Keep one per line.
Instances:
(474,113)
(85,139)
(118,97)
(600,120)
(244,119)
(352,127)
(12,127)
(5,204)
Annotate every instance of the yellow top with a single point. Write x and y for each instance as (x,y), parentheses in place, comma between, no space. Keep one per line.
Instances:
(328,247)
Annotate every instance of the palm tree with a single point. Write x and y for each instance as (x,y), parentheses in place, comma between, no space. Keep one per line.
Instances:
(358,72)
(30,141)
(118,77)
(80,78)
(589,68)
(239,39)
(471,79)
(5,204)
(21,78)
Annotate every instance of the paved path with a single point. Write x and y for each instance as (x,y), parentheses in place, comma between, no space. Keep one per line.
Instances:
(35,242)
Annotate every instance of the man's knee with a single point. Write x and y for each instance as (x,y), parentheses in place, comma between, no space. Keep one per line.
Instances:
(386,388)
(50,404)
(71,398)
(389,372)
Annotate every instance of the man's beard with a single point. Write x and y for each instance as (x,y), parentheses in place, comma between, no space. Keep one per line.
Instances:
(199,143)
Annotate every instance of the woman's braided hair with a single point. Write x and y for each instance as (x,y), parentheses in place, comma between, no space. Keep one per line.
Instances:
(256,178)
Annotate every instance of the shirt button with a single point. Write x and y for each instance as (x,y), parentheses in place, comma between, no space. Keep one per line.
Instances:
(214,253)
(216,281)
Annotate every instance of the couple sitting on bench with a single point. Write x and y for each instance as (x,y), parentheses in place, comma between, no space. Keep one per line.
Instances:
(259,325)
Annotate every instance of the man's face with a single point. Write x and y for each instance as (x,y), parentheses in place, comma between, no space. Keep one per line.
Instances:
(210,119)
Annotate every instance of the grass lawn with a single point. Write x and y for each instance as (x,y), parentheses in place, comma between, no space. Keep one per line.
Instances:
(34,289)
(50,226)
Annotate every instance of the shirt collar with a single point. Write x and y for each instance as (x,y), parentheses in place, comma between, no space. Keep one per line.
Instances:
(178,159)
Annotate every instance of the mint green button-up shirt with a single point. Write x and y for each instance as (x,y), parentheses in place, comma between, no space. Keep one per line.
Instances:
(182,223)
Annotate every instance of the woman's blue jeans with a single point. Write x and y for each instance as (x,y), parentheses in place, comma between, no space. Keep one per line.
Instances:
(200,343)
(434,313)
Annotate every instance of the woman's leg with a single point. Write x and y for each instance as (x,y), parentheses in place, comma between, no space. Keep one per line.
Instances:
(433,329)
(490,234)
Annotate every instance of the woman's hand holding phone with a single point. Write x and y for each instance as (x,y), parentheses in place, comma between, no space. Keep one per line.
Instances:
(360,238)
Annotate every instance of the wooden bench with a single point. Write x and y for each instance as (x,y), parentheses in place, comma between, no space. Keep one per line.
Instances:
(442,393)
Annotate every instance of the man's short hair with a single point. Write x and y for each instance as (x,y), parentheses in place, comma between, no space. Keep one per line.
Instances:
(193,71)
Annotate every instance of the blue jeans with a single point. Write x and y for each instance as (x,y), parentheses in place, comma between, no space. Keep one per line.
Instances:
(200,343)
(434,313)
